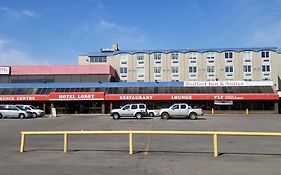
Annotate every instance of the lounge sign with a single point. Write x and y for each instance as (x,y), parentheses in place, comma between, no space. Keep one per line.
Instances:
(56,96)
(145,97)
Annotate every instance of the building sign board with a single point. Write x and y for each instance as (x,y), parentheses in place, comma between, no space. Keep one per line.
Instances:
(191,97)
(5,70)
(68,96)
(23,97)
(226,83)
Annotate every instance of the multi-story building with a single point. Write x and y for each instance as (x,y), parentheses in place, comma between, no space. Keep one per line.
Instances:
(224,64)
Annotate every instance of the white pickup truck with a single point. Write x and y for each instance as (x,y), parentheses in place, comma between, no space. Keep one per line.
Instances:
(180,110)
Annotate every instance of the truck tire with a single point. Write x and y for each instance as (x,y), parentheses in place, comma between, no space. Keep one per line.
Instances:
(138,115)
(115,116)
(151,114)
(165,116)
(192,116)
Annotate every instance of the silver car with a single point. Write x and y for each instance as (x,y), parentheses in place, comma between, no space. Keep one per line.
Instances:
(12,111)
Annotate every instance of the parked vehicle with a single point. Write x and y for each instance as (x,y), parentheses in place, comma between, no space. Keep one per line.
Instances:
(130,110)
(180,110)
(12,111)
(152,112)
(35,112)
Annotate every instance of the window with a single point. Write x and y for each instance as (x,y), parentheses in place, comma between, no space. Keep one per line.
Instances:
(98,59)
(157,57)
(183,106)
(123,59)
(247,55)
(142,106)
(192,69)
(176,107)
(126,107)
(175,69)
(228,68)
(123,70)
(140,70)
(247,68)
(265,68)
(192,55)
(210,69)
(157,70)
(174,56)
(265,54)
(228,55)
(210,55)
(140,57)
(134,107)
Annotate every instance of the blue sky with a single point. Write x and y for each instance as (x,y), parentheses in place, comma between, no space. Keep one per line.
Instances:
(57,31)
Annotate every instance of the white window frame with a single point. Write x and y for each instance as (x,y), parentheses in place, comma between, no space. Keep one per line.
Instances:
(228,55)
(211,69)
(227,69)
(266,68)
(266,53)
(122,70)
(210,55)
(192,55)
(175,69)
(192,69)
(247,68)
(157,70)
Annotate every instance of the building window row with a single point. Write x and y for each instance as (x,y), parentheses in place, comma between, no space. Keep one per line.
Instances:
(98,59)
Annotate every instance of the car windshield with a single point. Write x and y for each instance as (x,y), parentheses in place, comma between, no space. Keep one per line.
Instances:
(32,107)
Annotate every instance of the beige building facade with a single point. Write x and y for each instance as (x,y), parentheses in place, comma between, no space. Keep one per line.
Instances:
(229,64)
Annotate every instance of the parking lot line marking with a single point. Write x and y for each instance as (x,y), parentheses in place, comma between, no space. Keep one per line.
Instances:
(147,146)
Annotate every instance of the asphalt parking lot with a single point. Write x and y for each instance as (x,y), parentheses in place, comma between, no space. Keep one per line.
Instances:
(152,154)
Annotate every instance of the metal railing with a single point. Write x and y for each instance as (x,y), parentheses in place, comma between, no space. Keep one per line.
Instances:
(215,135)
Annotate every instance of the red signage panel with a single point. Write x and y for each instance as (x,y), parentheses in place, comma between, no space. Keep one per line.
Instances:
(62,96)
(23,97)
(191,97)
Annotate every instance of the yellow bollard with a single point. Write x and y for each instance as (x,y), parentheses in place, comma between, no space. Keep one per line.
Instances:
(215,145)
(22,143)
(247,111)
(213,111)
(65,145)
(131,143)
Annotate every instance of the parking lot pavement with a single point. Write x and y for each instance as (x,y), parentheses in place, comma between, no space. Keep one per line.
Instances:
(152,154)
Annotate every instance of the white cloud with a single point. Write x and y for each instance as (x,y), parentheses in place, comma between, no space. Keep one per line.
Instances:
(10,55)
(30,13)
(128,36)
(18,14)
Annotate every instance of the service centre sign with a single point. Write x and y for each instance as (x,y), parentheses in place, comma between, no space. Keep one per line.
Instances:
(5,70)
(58,96)
(23,97)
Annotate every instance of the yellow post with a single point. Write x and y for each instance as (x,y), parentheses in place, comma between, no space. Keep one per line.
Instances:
(131,143)
(213,111)
(65,145)
(215,145)
(247,111)
(22,143)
